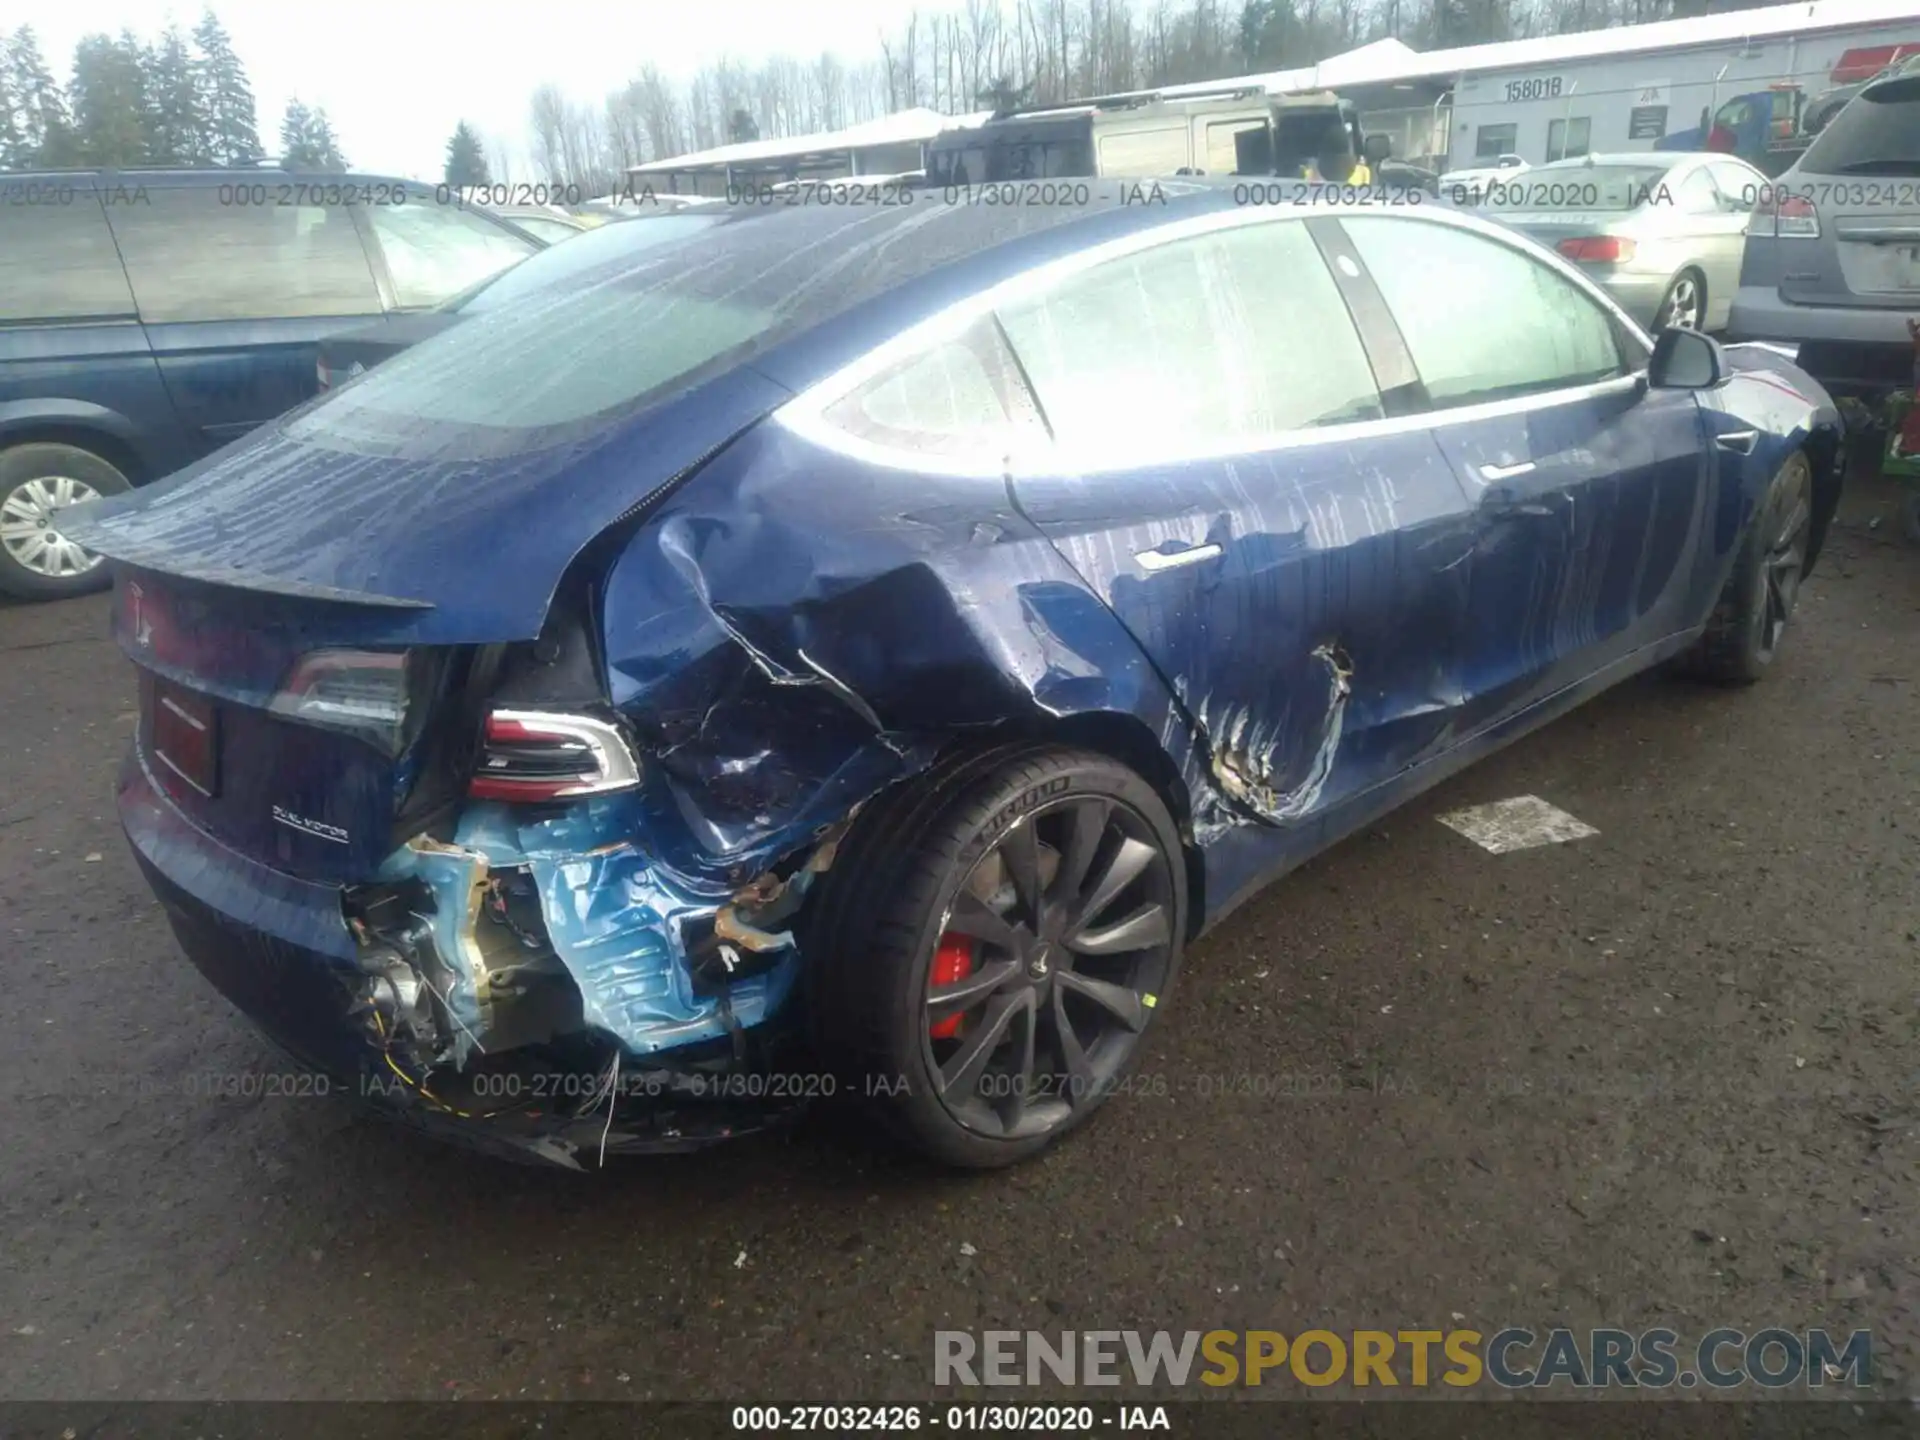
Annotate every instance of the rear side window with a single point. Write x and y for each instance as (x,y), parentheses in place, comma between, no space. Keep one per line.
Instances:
(1543,334)
(190,257)
(1198,344)
(434,252)
(60,263)
(1877,134)
(961,397)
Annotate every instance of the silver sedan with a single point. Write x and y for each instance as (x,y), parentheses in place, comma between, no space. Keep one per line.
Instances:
(1663,234)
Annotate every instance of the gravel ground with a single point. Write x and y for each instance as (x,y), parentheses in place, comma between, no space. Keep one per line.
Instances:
(1661,1075)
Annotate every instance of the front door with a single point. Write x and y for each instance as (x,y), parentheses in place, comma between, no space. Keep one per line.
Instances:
(1587,488)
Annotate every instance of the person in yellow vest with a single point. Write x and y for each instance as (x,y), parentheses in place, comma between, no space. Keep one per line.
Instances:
(1336,163)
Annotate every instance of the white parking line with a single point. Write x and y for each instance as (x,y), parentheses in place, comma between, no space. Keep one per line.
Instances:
(1517,824)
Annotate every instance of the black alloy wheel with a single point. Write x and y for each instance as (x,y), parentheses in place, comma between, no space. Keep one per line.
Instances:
(993,942)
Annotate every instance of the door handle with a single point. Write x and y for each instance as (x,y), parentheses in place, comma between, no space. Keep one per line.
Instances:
(1740,442)
(1153,561)
(1506,472)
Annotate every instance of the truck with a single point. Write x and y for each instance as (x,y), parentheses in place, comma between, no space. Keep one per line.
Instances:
(1770,128)
(1232,131)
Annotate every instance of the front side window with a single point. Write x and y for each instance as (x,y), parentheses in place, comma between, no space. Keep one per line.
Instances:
(1208,343)
(1567,139)
(205,253)
(1223,146)
(60,261)
(1543,333)
(434,252)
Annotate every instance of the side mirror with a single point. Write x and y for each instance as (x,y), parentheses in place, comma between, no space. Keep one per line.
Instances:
(1686,360)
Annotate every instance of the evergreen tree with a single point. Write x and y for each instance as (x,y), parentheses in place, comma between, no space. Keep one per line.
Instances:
(307,141)
(109,100)
(466,159)
(44,131)
(293,136)
(323,144)
(232,134)
(13,154)
(742,126)
(179,117)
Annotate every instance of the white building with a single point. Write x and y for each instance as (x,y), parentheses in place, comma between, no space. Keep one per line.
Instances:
(892,145)
(1601,90)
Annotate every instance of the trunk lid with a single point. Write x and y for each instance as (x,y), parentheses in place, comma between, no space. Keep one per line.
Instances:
(304,799)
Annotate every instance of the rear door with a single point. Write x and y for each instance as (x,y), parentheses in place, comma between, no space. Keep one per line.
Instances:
(1860,180)
(1285,552)
(235,296)
(1587,487)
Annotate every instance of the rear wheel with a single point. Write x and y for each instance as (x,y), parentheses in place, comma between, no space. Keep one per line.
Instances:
(1684,307)
(1747,625)
(37,482)
(992,946)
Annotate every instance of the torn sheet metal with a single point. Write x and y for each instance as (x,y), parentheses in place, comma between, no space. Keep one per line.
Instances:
(613,914)
(1521,823)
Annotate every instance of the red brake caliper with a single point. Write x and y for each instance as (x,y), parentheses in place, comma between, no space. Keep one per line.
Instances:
(952,961)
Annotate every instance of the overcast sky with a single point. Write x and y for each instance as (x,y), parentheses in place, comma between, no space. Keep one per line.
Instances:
(396,76)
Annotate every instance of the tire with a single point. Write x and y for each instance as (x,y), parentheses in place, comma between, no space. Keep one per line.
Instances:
(33,480)
(1689,289)
(937,868)
(1744,633)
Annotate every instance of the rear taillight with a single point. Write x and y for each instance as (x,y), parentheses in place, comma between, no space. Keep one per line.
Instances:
(535,755)
(364,693)
(1605,249)
(1784,217)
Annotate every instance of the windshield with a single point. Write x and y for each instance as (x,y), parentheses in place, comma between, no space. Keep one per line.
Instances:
(1877,134)
(1579,187)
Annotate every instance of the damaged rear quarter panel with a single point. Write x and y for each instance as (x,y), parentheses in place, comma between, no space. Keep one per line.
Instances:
(797,628)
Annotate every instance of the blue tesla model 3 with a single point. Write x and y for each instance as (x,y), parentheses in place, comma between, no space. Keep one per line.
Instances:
(852,651)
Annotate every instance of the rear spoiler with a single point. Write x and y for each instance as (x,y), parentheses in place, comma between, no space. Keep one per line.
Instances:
(167,561)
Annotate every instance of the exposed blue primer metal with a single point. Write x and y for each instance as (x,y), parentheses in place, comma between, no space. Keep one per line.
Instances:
(613,914)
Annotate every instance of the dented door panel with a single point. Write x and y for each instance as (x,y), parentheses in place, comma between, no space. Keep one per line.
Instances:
(1318,652)
(1586,512)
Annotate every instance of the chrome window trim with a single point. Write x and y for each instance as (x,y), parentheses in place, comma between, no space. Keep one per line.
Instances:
(804,415)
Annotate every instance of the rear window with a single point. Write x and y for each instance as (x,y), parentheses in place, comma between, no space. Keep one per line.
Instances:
(207,253)
(1877,134)
(60,260)
(568,359)
(584,253)
(1580,187)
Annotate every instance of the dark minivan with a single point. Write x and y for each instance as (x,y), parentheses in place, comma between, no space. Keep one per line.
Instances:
(149,317)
